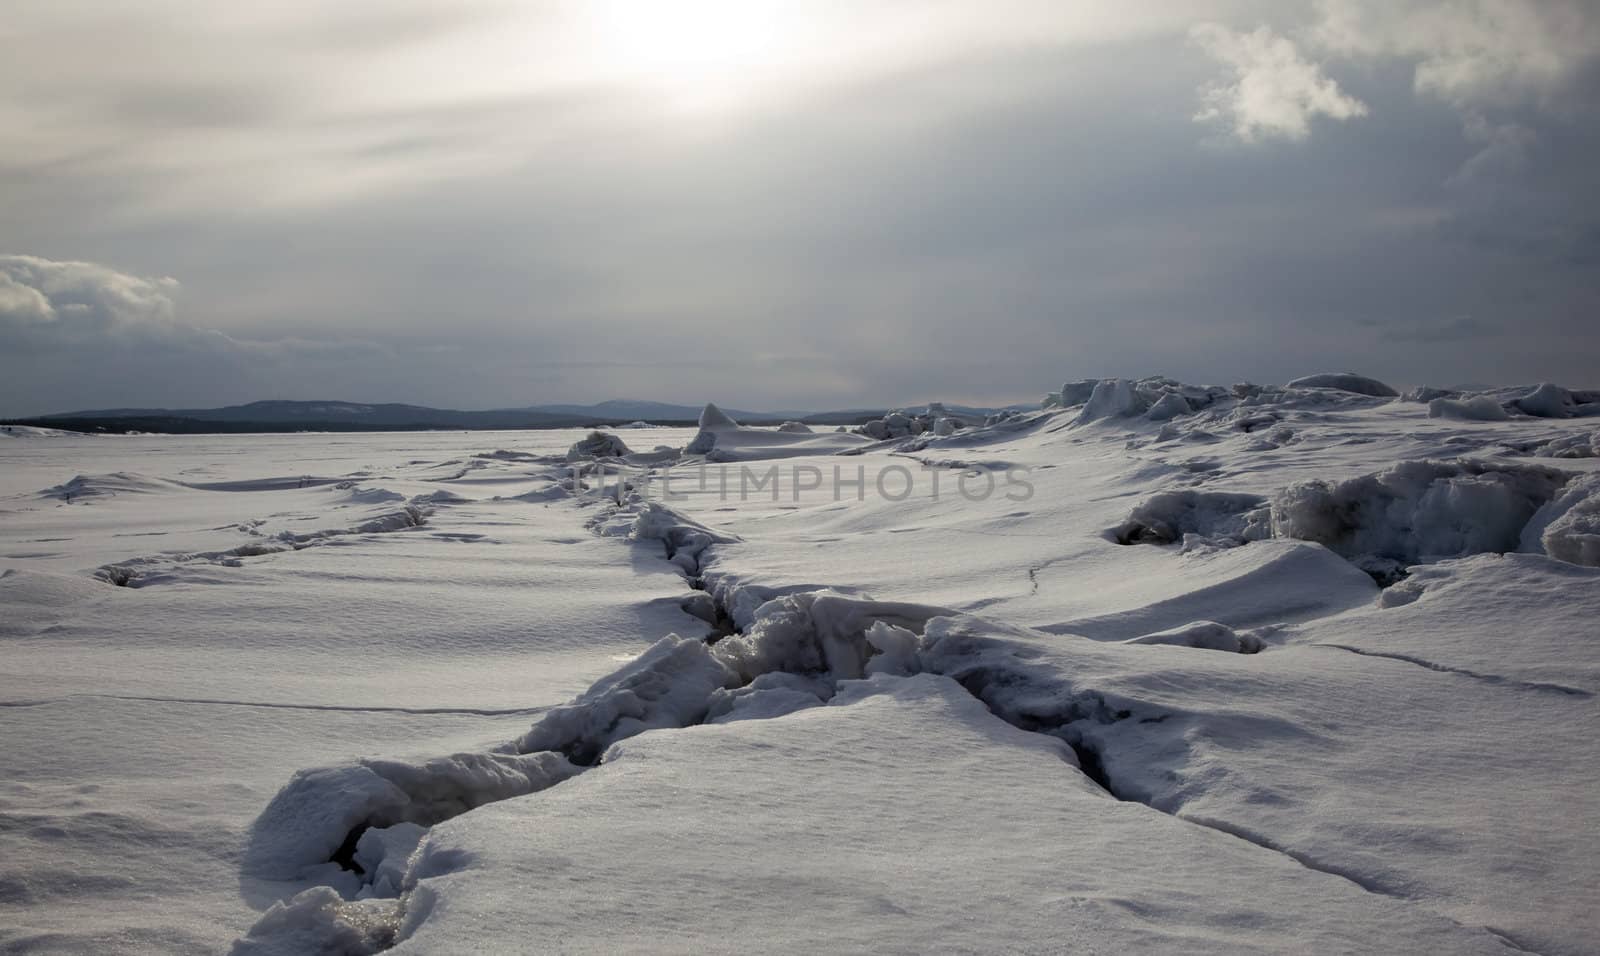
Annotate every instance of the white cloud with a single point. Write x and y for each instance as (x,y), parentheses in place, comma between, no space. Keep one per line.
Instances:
(1472,53)
(1273,92)
(44,302)
(85,306)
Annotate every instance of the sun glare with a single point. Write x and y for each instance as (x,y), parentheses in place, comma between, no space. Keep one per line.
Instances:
(698,54)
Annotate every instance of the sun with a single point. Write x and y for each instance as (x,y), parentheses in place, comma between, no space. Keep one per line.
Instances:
(697,54)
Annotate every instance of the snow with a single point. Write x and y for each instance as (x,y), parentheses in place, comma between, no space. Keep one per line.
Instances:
(1419,511)
(1553,401)
(1479,408)
(597,444)
(1568,526)
(1203,635)
(1123,679)
(721,439)
(743,836)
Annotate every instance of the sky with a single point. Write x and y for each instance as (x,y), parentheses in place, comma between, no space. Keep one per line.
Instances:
(788,203)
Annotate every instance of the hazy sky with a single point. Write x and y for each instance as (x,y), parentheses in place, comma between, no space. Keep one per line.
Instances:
(780,203)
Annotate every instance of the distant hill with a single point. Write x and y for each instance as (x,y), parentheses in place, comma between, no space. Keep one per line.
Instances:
(283,415)
(313,414)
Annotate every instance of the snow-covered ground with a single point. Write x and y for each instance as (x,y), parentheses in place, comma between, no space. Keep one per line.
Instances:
(1156,668)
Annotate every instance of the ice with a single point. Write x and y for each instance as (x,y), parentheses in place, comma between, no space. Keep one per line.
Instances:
(1218,517)
(821,633)
(1112,398)
(1553,401)
(669,685)
(320,921)
(912,818)
(1479,408)
(1568,526)
(1419,511)
(342,702)
(597,444)
(319,809)
(383,854)
(721,439)
(1346,382)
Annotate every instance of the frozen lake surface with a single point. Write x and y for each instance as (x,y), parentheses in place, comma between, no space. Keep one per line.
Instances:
(1163,669)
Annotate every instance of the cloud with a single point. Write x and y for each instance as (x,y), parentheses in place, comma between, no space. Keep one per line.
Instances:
(1274,91)
(73,330)
(1474,54)
(44,304)
(1504,153)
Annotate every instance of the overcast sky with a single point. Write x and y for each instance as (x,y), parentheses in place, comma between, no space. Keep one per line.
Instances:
(788,203)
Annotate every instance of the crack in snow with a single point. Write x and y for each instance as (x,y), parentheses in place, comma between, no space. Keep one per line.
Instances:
(1462,671)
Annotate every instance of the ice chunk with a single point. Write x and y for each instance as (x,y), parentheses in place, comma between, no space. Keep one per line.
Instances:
(1346,382)
(1168,406)
(1111,398)
(896,650)
(1568,527)
(382,854)
(597,444)
(669,685)
(319,921)
(318,809)
(713,418)
(1076,393)
(1419,511)
(818,632)
(1166,517)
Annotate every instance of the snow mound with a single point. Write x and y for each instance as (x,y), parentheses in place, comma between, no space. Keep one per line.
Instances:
(1213,517)
(1112,398)
(87,487)
(1553,401)
(824,633)
(669,685)
(1346,382)
(1156,399)
(934,420)
(1568,527)
(597,444)
(1204,635)
(318,920)
(1479,408)
(319,809)
(722,439)
(795,428)
(1418,511)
